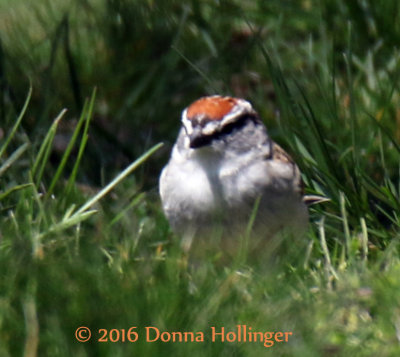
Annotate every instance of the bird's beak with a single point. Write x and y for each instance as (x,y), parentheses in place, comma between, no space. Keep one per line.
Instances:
(197,138)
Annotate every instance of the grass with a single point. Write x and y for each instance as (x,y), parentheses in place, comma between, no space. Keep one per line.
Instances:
(83,241)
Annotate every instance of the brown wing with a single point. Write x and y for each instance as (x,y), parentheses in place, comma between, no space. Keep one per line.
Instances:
(279,154)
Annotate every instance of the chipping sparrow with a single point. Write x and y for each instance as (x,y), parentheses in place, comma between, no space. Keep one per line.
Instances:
(225,170)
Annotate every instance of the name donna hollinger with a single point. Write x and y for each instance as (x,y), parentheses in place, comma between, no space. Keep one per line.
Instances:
(242,334)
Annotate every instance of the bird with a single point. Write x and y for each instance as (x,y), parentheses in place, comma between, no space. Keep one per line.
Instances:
(226,177)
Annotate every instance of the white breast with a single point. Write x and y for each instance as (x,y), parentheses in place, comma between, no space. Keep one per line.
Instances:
(187,186)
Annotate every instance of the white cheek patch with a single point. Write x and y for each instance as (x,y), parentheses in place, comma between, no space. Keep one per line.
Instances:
(187,142)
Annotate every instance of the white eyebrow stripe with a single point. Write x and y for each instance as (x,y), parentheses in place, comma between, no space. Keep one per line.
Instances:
(187,123)
(210,127)
(242,107)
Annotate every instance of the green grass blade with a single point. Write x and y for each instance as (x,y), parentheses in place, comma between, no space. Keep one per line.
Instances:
(67,223)
(364,239)
(348,57)
(329,270)
(132,204)
(45,150)
(85,137)
(386,131)
(119,178)
(68,151)
(17,123)
(14,189)
(345,222)
(14,157)
(197,69)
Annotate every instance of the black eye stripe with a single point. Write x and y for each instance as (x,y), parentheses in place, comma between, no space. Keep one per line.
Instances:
(204,140)
(237,124)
